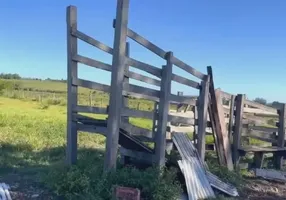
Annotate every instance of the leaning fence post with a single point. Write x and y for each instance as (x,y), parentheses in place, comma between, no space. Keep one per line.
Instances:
(238,128)
(160,137)
(71,152)
(281,135)
(117,76)
(202,116)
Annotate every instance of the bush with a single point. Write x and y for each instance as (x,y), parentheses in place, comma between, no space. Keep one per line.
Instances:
(89,182)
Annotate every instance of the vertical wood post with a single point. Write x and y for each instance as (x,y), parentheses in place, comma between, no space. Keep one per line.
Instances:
(71,151)
(117,76)
(155,119)
(231,115)
(238,128)
(164,106)
(125,119)
(203,104)
(195,135)
(281,135)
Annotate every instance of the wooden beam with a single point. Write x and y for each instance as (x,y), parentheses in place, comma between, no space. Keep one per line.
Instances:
(92,129)
(90,109)
(147,44)
(226,141)
(238,128)
(202,117)
(92,62)
(188,68)
(136,131)
(181,120)
(125,101)
(260,106)
(281,135)
(137,113)
(117,76)
(82,36)
(183,99)
(90,85)
(164,106)
(144,67)
(231,117)
(185,81)
(141,90)
(72,73)
(142,78)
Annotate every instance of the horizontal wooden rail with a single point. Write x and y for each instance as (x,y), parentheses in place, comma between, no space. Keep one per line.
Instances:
(187,68)
(91,41)
(92,129)
(90,109)
(148,158)
(91,85)
(185,81)
(143,78)
(136,131)
(181,120)
(183,99)
(258,134)
(141,96)
(92,62)
(141,90)
(147,44)
(144,67)
(260,106)
(137,113)
(263,129)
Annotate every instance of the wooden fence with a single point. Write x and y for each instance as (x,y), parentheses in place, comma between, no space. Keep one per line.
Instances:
(120,88)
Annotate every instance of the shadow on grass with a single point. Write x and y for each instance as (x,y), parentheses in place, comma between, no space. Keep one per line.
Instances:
(45,170)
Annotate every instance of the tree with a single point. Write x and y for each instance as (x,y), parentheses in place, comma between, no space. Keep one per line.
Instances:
(260,100)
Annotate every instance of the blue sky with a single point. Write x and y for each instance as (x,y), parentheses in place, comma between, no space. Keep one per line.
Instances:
(244,41)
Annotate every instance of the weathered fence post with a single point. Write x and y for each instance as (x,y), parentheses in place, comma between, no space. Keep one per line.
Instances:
(195,135)
(203,103)
(238,128)
(71,152)
(281,135)
(117,76)
(231,115)
(163,111)
(125,119)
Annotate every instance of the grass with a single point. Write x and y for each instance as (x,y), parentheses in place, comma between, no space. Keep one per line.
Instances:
(32,144)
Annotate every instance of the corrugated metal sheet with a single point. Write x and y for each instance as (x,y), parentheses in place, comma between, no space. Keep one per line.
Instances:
(192,168)
(195,167)
(220,185)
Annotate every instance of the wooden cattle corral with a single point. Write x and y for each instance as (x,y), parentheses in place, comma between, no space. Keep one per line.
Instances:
(116,127)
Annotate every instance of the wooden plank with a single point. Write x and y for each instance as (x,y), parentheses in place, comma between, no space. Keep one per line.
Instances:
(260,106)
(202,116)
(263,129)
(141,90)
(181,120)
(90,109)
(183,99)
(271,174)
(90,85)
(92,62)
(137,113)
(143,78)
(82,36)
(185,81)
(261,149)
(163,111)
(188,68)
(72,73)
(231,116)
(238,128)
(258,159)
(252,133)
(213,112)
(281,136)
(117,76)
(195,134)
(140,96)
(226,141)
(144,67)
(125,101)
(147,44)
(92,129)
(136,131)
